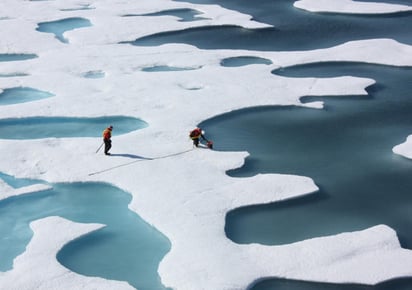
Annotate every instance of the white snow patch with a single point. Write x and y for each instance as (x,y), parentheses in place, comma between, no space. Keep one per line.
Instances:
(8,191)
(350,6)
(404,149)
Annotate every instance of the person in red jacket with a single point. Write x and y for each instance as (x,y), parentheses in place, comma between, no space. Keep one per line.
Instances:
(196,134)
(107,135)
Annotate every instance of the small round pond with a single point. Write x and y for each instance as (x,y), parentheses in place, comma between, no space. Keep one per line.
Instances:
(244,60)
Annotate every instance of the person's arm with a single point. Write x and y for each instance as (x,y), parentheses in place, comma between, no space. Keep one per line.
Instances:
(203,137)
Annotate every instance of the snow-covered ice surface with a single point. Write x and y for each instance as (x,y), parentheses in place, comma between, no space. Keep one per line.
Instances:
(8,191)
(350,6)
(404,149)
(185,196)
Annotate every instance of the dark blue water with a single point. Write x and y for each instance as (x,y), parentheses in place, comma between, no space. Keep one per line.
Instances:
(346,148)
(282,284)
(294,29)
(46,127)
(127,249)
(59,27)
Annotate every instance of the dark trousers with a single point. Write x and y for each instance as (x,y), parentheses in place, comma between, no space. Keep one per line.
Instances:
(196,142)
(107,145)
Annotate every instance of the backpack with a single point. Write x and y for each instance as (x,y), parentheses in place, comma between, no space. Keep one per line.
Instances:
(196,132)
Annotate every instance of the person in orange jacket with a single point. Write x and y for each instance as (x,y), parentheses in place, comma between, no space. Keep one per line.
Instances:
(107,135)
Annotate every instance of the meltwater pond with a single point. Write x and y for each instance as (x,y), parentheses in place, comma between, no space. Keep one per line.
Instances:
(59,27)
(22,95)
(16,56)
(47,127)
(127,249)
(244,60)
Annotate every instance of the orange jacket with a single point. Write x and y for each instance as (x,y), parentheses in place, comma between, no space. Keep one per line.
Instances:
(107,133)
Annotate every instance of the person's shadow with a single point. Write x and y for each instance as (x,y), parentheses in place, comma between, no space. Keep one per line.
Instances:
(130,156)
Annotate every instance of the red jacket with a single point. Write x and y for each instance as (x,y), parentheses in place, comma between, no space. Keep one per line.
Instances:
(196,133)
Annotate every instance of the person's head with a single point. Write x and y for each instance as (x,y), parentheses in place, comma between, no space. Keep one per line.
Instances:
(110,127)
